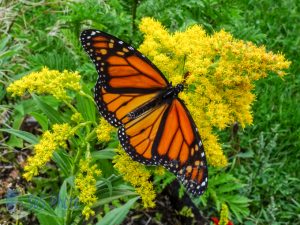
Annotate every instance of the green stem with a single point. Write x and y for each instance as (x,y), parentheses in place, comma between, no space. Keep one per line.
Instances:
(82,125)
(88,152)
(71,106)
(91,135)
(76,160)
(69,211)
(87,96)
(77,157)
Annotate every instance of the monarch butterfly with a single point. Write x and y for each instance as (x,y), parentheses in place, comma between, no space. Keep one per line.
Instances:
(155,127)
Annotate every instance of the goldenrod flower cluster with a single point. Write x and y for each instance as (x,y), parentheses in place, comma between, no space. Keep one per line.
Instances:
(218,72)
(160,170)
(43,151)
(47,81)
(104,130)
(86,184)
(186,211)
(224,215)
(137,175)
(77,117)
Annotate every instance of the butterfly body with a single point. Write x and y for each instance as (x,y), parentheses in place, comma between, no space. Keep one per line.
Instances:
(155,126)
(166,95)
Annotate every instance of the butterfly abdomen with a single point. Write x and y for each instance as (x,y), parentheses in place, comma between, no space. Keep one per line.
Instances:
(144,108)
(166,95)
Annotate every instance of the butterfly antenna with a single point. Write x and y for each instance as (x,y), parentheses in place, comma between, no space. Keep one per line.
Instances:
(185,76)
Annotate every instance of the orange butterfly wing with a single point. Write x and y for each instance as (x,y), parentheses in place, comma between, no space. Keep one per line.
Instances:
(168,136)
(127,79)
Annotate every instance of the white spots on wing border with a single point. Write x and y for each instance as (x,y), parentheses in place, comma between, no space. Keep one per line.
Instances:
(110,117)
(173,166)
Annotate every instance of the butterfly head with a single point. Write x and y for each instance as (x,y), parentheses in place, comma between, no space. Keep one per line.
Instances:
(178,88)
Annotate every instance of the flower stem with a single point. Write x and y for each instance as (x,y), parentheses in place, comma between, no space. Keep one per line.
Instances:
(91,135)
(69,211)
(81,125)
(86,95)
(71,106)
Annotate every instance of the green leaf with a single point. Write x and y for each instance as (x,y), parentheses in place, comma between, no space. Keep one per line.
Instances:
(107,195)
(36,205)
(63,161)
(225,188)
(30,138)
(47,220)
(116,216)
(86,107)
(49,111)
(107,153)
(62,201)
(238,199)
(239,211)
(4,41)
(42,120)
(248,154)
(15,141)
(25,106)
(222,179)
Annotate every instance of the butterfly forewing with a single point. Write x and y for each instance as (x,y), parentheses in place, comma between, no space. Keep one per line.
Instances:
(127,79)
(121,68)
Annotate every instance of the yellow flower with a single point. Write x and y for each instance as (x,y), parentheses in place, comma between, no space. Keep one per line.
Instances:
(186,211)
(218,71)
(77,117)
(104,130)
(47,81)
(137,175)
(224,215)
(159,170)
(43,151)
(86,185)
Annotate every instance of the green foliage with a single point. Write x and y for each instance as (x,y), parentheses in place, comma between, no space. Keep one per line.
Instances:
(7,56)
(225,188)
(271,174)
(117,215)
(177,14)
(40,207)
(30,138)
(45,33)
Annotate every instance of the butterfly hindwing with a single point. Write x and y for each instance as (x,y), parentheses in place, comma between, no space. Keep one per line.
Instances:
(167,136)
(179,142)
(137,136)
